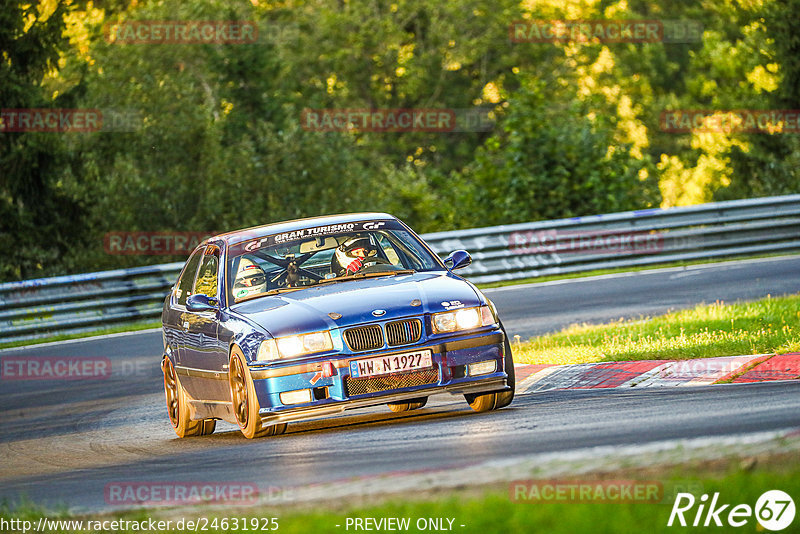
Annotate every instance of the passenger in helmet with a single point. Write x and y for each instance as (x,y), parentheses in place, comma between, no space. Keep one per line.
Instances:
(352,255)
(250,279)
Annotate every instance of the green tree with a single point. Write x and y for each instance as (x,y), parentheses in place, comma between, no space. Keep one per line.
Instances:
(40,219)
(772,165)
(219,145)
(552,161)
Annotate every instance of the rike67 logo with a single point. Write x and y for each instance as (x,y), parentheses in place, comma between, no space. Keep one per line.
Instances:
(774,511)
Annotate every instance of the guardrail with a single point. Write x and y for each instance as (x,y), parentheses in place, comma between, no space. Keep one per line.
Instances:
(72,304)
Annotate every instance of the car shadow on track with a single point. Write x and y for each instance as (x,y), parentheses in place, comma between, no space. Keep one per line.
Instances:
(375,420)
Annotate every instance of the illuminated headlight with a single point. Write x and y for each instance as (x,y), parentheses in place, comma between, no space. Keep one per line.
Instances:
(464,319)
(293,346)
(267,351)
(482,368)
(298,396)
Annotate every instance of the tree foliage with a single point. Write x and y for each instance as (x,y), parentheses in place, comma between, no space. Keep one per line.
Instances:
(551,162)
(217,141)
(34,202)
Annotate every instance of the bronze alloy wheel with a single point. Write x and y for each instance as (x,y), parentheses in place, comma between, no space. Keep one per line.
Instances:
(238,381)
(178,406)
(171,392)
(244,400)
(411,404)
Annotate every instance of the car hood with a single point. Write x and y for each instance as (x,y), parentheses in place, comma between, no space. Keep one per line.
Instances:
(307,310)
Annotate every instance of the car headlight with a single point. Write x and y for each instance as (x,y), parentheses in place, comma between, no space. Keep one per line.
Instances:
(293,346)
(464,319)
(267,351)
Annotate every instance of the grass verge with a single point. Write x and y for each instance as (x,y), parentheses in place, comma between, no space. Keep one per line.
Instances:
(770,325)
(504,509)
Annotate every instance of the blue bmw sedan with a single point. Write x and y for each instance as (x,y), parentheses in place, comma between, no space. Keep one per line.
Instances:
(307,318)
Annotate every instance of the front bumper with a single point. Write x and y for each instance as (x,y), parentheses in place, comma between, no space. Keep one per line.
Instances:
(308,412)
(331,395)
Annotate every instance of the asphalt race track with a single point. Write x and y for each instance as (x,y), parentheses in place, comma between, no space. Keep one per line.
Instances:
(64,442)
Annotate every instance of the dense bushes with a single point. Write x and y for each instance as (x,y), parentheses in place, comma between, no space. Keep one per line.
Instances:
(218,142)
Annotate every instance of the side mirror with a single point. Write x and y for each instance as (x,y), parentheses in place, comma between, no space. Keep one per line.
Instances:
(458,260)
(201,303)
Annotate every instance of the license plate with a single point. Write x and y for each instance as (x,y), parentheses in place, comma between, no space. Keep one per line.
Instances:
(393,363)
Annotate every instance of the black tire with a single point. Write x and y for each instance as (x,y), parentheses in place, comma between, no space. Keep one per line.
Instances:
(413,404)
(504,398)
(485,402)
(245,402)
(178,407)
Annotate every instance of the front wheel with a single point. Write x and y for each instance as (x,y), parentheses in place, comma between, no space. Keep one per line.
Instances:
(504,398)
(498,399)
(412,404)
(245,402)
(178,407)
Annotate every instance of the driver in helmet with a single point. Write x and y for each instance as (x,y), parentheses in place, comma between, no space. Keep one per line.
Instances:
(250,279)
(351,256)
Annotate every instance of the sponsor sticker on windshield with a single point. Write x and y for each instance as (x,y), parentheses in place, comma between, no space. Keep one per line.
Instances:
(314,232)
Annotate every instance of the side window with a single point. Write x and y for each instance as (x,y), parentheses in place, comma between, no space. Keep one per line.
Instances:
(184,288)
(207,276)
(412,252)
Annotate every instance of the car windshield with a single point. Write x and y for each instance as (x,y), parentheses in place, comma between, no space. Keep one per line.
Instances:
(323,255)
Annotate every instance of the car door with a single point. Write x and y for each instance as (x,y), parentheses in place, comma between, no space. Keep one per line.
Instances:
(172,320)
(204,355)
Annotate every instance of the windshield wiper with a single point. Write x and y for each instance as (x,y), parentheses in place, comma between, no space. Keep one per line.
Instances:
(381,273)
(267,293)
(357,276)
(282,289)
